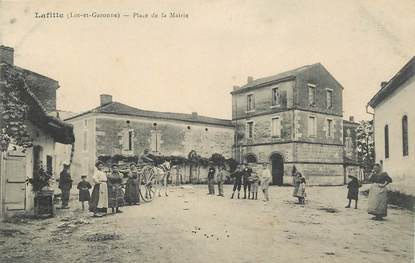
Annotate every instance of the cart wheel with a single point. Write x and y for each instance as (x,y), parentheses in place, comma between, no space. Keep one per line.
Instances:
(147,184)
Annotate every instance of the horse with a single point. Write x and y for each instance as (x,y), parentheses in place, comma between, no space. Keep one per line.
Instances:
(159,177)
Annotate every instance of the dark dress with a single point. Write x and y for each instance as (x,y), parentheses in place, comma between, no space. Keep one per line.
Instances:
(84,187)
(353,187)
(132,195)
(115,193)
(237,180)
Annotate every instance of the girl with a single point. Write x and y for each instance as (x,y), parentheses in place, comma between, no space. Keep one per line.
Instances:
(353,193)
(83,188)
(301,191)
(132,195)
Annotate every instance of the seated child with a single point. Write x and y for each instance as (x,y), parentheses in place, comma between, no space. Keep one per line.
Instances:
(84,187)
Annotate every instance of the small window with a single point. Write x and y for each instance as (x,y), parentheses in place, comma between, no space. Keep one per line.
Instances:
(275,96)
(206,129)
(85,140)
(405,135)
(250,129)
(329,98)
(130,139)
(386,141)
(155,140)
(250,100)
(329,128)
(85,123)
(276,127)
(311,95)
(311,126)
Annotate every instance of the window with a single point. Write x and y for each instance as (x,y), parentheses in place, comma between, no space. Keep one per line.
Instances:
(329,128)
(49,160)
(85,140)
(250,100)
(250,129)
(130,139)
(312,126)
(329,98)
(155,140)
(276,127)
(311,94)
(275,96)
(386,141)
(127,140)
(85,123)
(405,135)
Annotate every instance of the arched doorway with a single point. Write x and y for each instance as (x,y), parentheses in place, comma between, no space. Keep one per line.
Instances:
(277,168)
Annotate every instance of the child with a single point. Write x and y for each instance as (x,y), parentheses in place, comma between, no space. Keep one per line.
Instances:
(353,193)
(254,186)
(301,191)
(84,187)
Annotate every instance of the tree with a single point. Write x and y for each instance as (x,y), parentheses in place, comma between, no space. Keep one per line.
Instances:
(366,145)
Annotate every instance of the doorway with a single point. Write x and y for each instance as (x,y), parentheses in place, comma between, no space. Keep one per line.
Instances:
(277,168)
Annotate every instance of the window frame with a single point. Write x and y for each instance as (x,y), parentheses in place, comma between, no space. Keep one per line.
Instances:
(273,101)
(248,108)
(313,87)
(250,133)
(278,135)
(314,128)
(386,141)
(405,136)
(329,127)
(329,91)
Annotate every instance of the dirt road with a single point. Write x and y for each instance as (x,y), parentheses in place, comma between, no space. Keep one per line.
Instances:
(190,226)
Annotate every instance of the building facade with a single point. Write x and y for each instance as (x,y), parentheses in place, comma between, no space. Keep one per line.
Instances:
(292,118)
(17,164)
(114,128)
(394,122)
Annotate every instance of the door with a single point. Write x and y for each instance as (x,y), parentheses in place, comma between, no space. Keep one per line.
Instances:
(15,183)
(277,163)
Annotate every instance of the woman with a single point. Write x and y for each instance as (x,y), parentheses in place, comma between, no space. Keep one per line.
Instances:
(353,192)
(378,194)
(99,197)
(132,194)
(296,181)
(115,193)
(265,181)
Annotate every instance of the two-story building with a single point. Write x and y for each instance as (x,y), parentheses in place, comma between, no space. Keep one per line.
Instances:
(114,128)
(293,118)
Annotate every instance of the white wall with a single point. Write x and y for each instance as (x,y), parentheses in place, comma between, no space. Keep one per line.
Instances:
(390,112)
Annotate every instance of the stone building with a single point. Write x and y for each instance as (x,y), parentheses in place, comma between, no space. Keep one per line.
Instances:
(114,128)
(394,121)
(293,118)
(17,164)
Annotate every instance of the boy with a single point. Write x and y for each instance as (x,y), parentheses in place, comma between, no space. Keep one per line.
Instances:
(301,191)
(265,181)
(84,187)
(254,186)
(246,179)
(220,178)
(211,178)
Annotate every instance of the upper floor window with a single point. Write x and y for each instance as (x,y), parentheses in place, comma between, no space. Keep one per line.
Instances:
(250,102)
(312,126)
(386,141)
(329,98)
(276,127)
(85,123)
(127,139)
(405,135)
(250,129)
(155,140)
(312,94)
(275,96)
(329,128)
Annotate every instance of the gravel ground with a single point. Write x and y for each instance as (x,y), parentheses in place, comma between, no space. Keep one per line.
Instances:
(190,226)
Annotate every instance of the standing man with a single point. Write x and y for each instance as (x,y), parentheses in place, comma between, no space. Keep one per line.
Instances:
(246,179)
(265,181)
(237,181)
(220,178)
(211,180)
(65,184)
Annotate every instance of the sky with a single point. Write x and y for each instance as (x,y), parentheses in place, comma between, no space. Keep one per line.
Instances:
(191,64)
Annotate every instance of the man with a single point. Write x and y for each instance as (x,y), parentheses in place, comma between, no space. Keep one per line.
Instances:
(265,181)
(237,181)
(146,157)
(246,180)
(211,180)
(220,178)
(65,184)
(115,194)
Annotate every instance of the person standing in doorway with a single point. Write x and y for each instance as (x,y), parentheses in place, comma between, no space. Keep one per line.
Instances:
(220,179)
(237,183)
(265,181)
(65,184)
(246,179)
(211,180)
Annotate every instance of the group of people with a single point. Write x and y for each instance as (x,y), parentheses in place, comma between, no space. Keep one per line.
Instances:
(242,176)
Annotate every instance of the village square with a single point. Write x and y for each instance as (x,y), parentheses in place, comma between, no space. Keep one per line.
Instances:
(280,170)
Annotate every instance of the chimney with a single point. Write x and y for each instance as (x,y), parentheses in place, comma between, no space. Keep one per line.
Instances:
(351,118)
(105,99)
(383,84)
(235,88)
(194,115)
(250,79)
(6,55)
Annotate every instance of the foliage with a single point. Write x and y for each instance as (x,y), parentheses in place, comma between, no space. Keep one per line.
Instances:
(14,110)
(366,145)
(217,159)
(232,163)
(40,179)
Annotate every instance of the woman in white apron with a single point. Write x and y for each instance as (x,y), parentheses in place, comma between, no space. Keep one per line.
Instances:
(99,197)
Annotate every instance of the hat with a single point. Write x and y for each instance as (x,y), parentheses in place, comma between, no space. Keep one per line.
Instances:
(98,163)
(64,163)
